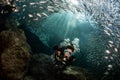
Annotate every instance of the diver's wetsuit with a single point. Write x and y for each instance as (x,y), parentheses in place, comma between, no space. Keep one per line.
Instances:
(61,61)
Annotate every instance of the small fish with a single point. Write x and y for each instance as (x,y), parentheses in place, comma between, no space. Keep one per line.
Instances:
(35,19)
(106,57)
(38,14)
(24,17)
(30,15)
(24,6)
(57,5)
(50,10)
(50,7)
(115,49)
(32,3)
(16,10)
(110,42)
(107,32)
(43,2)
(23,9)
(44,14)
(41,7)
(107,51)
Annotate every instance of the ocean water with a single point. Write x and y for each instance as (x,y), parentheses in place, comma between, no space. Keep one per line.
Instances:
(95,22)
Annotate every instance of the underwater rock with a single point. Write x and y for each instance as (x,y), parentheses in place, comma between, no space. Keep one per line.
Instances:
(14,54)
(72,73)
(42,68)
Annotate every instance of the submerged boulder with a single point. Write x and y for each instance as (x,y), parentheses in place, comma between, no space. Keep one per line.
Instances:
(14,54)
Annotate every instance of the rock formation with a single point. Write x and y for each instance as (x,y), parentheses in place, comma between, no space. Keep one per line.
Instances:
(14,54)
(42,68)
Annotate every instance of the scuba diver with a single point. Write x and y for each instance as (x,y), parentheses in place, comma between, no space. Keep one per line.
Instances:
(65,53)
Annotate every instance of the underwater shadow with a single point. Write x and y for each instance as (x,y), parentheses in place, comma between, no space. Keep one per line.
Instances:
(37,46)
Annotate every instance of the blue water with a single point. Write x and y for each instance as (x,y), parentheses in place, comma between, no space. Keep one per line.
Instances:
(95,23)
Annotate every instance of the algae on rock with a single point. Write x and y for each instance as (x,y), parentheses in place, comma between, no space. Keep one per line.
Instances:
(14,54)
